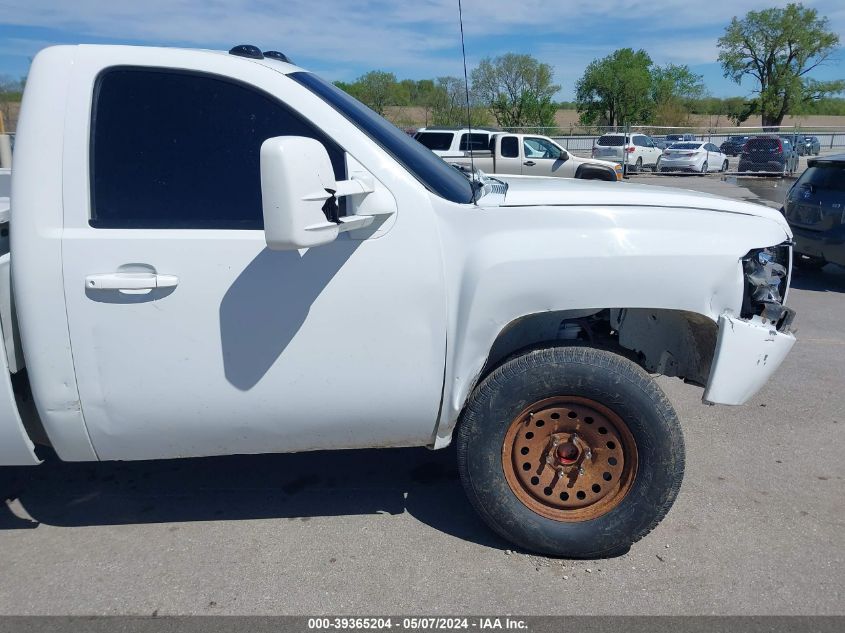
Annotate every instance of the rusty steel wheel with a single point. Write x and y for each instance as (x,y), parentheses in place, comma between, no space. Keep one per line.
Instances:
(570,451)
(569,458)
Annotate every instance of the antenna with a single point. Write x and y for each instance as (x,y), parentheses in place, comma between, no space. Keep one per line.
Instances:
(466,87)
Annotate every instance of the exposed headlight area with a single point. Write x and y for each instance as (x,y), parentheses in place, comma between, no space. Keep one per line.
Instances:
(766,284)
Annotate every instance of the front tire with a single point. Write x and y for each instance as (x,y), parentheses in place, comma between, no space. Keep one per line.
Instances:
(559,410)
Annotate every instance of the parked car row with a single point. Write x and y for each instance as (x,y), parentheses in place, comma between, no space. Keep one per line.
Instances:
(540,155)
(804,145)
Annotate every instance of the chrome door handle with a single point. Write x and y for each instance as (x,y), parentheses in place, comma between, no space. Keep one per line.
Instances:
(529,163)
(130,281)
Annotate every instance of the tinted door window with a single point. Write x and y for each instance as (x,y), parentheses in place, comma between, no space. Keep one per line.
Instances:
(475,142)
(762,145)
(181,150)
(510,147)
(440,141)
(611,141)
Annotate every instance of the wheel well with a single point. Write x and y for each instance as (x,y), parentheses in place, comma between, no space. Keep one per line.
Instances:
(594,172)
(668,342)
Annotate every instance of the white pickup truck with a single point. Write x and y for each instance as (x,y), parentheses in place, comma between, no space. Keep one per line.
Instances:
(216,253)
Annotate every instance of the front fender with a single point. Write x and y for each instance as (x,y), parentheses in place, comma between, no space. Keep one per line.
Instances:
(507,263)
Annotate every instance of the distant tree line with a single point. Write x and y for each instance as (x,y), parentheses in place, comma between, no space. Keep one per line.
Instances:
(512,90)
(777,48)
(11,91)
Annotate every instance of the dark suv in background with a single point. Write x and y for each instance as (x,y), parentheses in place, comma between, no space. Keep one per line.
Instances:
(768,154)
(733,145)
(815,210)
(809,146)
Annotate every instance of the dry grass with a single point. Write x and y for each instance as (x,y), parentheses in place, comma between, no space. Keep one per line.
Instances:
(10,111)
(415,117)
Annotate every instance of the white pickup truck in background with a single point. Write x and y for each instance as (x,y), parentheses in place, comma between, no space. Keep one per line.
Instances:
(216,253)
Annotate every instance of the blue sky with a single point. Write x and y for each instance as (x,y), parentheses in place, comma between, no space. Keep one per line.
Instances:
(341,39)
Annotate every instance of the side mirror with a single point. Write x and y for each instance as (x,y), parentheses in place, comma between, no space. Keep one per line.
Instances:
(297,181)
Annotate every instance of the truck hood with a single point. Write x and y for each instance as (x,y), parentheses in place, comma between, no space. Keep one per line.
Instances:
(539,191)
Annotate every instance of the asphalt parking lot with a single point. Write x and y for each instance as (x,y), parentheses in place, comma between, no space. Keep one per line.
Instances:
(758,528)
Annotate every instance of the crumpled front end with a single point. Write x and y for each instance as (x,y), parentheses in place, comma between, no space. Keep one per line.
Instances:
(750,347)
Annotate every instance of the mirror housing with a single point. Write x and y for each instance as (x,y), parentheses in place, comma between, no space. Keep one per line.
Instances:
(296,181)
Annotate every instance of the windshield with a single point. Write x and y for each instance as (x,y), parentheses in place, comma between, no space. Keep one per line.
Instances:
(612,140)
(762,144)
(425,166)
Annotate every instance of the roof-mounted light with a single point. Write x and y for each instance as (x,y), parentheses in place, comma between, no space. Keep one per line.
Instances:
(277,56)
(246,50)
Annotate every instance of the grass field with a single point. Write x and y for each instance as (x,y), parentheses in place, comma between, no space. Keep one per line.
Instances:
(414,117)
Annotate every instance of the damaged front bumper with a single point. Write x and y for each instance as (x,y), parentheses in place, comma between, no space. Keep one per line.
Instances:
(748,351)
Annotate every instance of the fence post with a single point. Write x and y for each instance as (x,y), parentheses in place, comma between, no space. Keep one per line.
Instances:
(626,129)
(5,151)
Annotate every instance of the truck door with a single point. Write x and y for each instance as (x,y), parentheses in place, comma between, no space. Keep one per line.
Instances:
(544,158)
(189,336)
(507,155)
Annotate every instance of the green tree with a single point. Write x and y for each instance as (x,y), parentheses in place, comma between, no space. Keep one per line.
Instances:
(449,107)
(11,91)
(826,106)
(376,89)
(778,48)
(738,109)
(615,89)
(517,89)
(674,91)
(425,96)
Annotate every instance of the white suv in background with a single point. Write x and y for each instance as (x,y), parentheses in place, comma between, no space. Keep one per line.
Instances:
(445,141)
(641,150)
